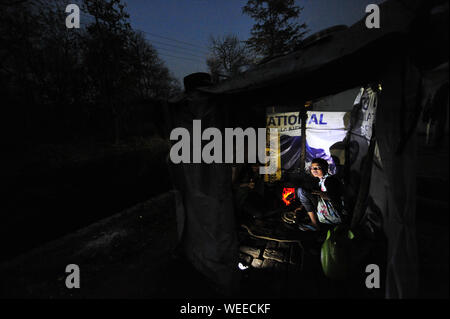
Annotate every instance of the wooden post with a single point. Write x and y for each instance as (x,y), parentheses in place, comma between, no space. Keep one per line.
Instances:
(303,118)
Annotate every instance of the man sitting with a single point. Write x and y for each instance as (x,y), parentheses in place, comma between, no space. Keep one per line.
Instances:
(323,205)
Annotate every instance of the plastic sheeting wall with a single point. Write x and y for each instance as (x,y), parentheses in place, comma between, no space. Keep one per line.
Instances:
(393,184)
(205,213)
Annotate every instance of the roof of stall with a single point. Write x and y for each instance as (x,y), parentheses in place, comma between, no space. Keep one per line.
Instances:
(331,60)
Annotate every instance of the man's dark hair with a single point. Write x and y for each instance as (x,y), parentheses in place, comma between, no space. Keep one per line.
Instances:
(322,163)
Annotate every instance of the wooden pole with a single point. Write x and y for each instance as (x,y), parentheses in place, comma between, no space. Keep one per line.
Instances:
(303,118)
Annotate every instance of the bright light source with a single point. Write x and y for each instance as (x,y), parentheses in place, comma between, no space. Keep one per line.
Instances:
(242,266)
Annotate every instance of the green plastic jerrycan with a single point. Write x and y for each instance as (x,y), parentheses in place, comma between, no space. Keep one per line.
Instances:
(336,252)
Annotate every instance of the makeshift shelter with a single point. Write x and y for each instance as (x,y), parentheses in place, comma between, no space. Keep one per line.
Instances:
(402,64)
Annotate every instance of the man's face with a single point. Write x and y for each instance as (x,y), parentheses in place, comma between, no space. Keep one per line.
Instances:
(316,170)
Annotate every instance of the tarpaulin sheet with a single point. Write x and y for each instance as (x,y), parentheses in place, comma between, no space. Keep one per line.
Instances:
(393,181)
(323,130)
(205,213)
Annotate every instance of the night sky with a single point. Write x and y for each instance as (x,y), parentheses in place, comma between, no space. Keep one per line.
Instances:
(191,22)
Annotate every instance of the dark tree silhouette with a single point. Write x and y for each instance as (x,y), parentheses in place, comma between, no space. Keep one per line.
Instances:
(228,57)
(65,84)
(276,30)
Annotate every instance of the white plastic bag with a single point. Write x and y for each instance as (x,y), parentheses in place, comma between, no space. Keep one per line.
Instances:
(326,212)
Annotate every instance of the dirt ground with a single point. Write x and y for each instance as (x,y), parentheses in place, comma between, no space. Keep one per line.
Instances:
(133,255)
